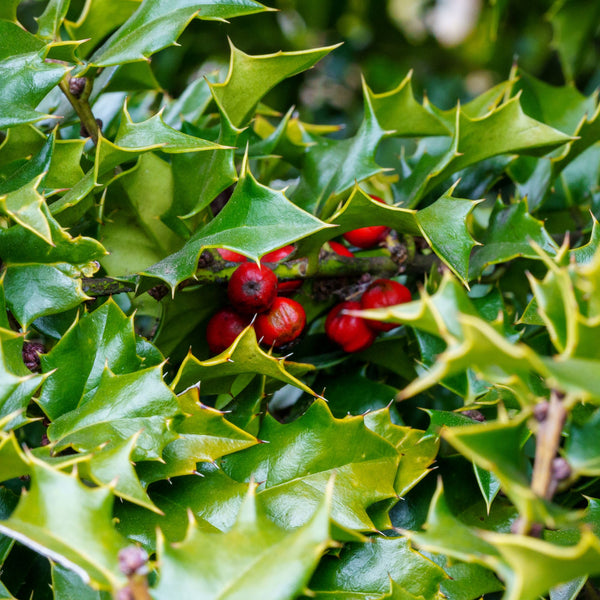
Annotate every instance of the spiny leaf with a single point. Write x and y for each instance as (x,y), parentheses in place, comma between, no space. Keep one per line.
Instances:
(61,518)
(103,338)
(366,570)
(509,235)
(50,21)
(26,79)
(251,77)
(243,356)
(67,584)
(139,401)
(204,435)
(256,220)
(156,25)
(9,10)
(398,111)
(294,467)
(240,563)
(332,166)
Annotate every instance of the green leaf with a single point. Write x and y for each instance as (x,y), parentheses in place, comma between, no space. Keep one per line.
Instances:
(204,436)
(60,518)
(8,10)
(37,290)
(24,206)
(26,79)
(103,338)
(333,166)
(241,561)
(295,466)
(366,571)
(139,401)
(243,356)
(131,233)
(443,225)
(250,77)
(509,235)
(582,448)
(156,25)
(50,21)
(398,111)
(67,585)
(256,220)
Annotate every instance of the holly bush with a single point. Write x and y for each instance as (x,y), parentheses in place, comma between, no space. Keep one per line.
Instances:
(456,457)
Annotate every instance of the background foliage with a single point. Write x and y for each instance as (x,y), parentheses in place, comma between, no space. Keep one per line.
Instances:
(457,457)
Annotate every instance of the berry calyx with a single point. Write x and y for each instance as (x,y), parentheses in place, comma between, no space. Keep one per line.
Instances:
(281,324)
(340,249)
(231,256)
(384,292)
(252,288)
(222,329)
(367,237)
(351,333)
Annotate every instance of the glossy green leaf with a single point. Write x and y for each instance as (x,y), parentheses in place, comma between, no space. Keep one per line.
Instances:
(67,585)
(139,402)
(398,111)
(9,10)
(37,290)
(333,166)
(241,562)
(582,448)
(509,235)
(26,79)
(366,570)
(238,98)
(60,518)
(204,435)
(293,469)
(156,25)
(103,338)
(256,220)
(50,21)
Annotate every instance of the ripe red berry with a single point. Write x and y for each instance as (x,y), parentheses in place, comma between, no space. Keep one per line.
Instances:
(279,254)
(281,324)
(384,292)
(351,333)
(222,329)
(231,256)
(283,287)
(367,237)
(252,288)
(340,249)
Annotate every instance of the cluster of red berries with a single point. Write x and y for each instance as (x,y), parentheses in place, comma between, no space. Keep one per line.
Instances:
(253,290)
(354,334)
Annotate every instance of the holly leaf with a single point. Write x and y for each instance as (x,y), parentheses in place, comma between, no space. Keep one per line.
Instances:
(26,79)
(509,235)
(60,517)
(398,111)
(243,356)
(582,448)
(50,21)
(139,401)
(256,220)
(67,584)
(241,560)
(8,10)
(103,338)
(250,78)
(367,571)
(155,25)
(204,435)
(332,166)
(293,468)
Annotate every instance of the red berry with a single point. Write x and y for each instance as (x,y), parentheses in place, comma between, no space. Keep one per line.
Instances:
(231,256)
(351,333)
(281,324)
(222,329)
(367,237)
(384,292)
(252,288)
(340,249)
(278,254)
(283,287)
